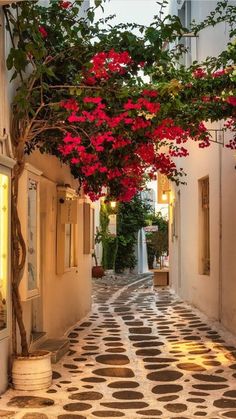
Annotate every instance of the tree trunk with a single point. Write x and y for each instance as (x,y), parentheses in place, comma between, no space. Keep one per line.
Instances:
(19,317)
(18,254)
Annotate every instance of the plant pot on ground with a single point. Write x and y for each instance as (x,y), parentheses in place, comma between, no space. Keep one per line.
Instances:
(33,372)
(97,270)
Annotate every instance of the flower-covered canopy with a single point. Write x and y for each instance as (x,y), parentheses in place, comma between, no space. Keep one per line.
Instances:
(86,102)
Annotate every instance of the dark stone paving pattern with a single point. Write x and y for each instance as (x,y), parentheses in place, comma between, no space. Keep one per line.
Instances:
(142,353)
(30,401)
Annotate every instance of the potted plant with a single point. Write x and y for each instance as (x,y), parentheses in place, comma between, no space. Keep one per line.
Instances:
(32,372)
(97,270)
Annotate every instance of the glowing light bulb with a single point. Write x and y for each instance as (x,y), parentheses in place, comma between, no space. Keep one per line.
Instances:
(113,204)
(164,196)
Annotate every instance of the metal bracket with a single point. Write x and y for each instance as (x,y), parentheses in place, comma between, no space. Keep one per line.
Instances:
(218,136)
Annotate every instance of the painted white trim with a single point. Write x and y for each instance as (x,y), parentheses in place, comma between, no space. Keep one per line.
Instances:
(7,161)
(64,192)
(33,169)
(67,190)
(25,293)
(180,3)
(36,291)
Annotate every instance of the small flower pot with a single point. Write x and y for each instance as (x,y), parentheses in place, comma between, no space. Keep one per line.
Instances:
(33,372)
(97,271)
(160,277)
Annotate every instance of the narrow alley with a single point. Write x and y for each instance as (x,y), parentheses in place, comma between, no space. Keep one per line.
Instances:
(141,353)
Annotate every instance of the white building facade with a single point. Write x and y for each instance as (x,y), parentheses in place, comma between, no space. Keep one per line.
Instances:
(58,228)
(202,213)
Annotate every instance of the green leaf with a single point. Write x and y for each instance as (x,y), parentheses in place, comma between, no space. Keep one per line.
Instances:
(9,61)
(19,59)
(90,15)
(98,3)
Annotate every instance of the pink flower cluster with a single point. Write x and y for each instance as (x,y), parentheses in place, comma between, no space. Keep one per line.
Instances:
(43,32)
(106,64)
(117,147)
(65,4)
(111,155)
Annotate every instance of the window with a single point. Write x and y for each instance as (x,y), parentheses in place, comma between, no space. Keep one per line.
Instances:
(29,210)
(204,227)
(66,229)
(69,246)
(33,189)
(93,227)
(184,14)
(4,248)
(87,229)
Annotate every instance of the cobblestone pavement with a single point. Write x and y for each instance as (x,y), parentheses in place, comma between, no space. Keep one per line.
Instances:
(142,353)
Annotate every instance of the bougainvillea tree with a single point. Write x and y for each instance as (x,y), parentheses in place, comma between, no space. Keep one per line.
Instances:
(80,96)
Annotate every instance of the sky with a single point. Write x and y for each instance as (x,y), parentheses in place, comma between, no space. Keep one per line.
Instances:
(138,11)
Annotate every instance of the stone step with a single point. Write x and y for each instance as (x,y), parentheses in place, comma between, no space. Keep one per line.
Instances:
(57,346)
(37,335)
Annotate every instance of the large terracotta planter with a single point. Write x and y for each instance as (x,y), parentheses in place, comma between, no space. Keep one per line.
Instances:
(33,372)
(97,271)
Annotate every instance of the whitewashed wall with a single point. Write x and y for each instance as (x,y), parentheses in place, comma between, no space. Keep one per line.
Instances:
(66,298)
(214,294)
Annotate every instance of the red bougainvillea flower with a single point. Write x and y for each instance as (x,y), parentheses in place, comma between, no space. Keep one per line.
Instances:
(231,100)
(206,98)
(230,124)
(65,4)
(199,73)
(104,64)
(218,73)
(43,32)
(232,144)
(147,153)
(90,80)
(112,155)
(119,147)
(179,152)
(167,130)
(70,105)
(204,143)
(92,99)
(150,93)
(143,104)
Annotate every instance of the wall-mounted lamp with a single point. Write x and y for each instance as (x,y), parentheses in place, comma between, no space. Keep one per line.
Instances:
(113,204)
(164,195)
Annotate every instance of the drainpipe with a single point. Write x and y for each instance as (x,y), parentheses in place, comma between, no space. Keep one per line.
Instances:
(220,237)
